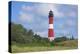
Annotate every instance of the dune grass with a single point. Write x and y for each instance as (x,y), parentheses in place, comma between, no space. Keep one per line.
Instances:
(34,49)
(67,45)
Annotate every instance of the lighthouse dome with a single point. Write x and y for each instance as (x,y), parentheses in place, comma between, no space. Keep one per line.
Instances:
(50,13)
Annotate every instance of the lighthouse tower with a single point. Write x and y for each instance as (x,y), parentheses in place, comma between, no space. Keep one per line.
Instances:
(51,29)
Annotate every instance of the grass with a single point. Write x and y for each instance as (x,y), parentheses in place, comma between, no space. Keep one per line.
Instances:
(34,49)
(71,44)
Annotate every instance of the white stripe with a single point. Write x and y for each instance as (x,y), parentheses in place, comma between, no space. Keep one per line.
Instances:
(50,26)
(51,38)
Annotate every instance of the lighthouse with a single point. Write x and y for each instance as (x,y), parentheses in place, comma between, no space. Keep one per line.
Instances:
(51,29)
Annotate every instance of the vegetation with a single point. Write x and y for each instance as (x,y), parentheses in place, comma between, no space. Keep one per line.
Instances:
(20,35)
(69,44)
(24,40)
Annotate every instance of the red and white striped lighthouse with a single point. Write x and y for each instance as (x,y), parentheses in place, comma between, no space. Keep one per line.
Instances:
(51,29)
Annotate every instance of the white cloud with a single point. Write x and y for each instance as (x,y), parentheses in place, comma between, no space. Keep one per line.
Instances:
(43,9)
(42,34)
(25,17)
(64,31)
(72,14)
(70,22)
(27,8)
(61,26)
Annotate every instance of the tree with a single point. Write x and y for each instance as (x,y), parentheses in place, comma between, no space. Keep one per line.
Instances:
(19,34)
(24,36)
(59,39)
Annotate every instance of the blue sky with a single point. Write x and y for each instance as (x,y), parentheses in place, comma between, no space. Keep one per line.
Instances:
(35,16)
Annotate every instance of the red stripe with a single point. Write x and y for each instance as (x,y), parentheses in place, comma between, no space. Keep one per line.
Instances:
(50,33)
(50,20)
